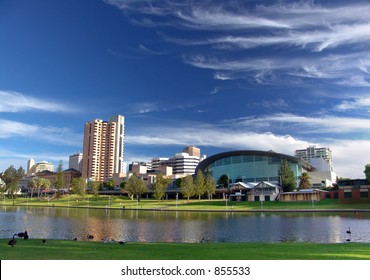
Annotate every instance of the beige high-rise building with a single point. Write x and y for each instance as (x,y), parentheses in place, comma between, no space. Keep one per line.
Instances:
(103,149)
(192,151)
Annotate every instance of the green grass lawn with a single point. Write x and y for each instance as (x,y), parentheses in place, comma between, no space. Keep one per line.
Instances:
(104,201)
(34,249)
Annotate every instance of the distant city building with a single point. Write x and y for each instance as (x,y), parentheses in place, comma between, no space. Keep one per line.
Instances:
(321,158)
(192,151)
(75,161)
(182,164)
(158,162)
(30,163)
(33,167)
(103,149)
(68,176)
(313,155)
(140,167)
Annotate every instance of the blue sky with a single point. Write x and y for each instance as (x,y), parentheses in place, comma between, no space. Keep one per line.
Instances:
(222,75)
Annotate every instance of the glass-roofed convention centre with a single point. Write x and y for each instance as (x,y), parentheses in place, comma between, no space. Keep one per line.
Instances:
(251,166)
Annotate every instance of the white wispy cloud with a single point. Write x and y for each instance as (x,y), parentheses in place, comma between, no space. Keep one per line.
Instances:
(304,124)
(49,134)
(354,104)
(309,30)
(11,101)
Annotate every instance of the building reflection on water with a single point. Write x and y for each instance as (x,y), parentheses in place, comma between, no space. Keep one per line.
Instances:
(162,226)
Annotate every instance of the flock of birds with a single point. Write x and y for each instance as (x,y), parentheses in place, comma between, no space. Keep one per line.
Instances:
(25,236)
(105,240)
(349,234)
(12,241)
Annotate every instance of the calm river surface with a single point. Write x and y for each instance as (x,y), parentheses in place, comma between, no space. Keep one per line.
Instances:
(151,226)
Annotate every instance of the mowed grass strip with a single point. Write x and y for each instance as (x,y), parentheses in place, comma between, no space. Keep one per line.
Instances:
(120,202)
(35,249)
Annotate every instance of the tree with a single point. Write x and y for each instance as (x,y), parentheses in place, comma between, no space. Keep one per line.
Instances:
(20,173)
(32,184)
(287,179)
(210,185)
(94,188)
(304,182)
(11,177)
(135,186)
(199,183)
(78,186)
(178,182)
(59,179)
(160,185)
(187,186)
(109,184)
(223,181)
(40,184)
(367,171)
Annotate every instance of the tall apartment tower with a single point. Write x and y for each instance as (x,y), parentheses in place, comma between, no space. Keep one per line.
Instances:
(103,149)
(313,155)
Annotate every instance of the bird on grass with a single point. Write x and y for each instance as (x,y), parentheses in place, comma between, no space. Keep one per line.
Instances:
(44,241)
(12,241)
(122,242)
(23,234)
(90,236)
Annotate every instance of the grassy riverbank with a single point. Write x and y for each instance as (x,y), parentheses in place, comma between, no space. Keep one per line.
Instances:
(35,249)
(122,202)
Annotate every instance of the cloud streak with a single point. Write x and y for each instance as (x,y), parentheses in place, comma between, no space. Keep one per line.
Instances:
(310,32)
(55,135)
(14,102)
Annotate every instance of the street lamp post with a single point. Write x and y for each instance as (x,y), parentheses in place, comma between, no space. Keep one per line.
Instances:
(177,197)
(226,201)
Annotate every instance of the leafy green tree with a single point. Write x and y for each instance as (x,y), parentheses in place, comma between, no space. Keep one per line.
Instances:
(135,186)
(304,182)
(367,171)
(20,173)
(210,185)
(109,184)
(93,186)
(78,186)
(287,178)
(59,179)
(32,184)
(41,184)
(223,181)
(187,187)
(160,185)
(178,182)
(11,177)
(199,183)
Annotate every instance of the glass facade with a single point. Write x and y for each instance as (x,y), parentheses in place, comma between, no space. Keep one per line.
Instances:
(251,167)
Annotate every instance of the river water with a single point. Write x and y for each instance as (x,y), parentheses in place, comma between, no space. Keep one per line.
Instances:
(193,227)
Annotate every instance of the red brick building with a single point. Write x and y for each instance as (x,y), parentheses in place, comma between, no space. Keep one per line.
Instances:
(354,189)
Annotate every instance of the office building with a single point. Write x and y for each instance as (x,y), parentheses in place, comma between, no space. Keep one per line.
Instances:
(313,155)
(75,162)
(321,159)
(182,164)
(33,168)
(103,149)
